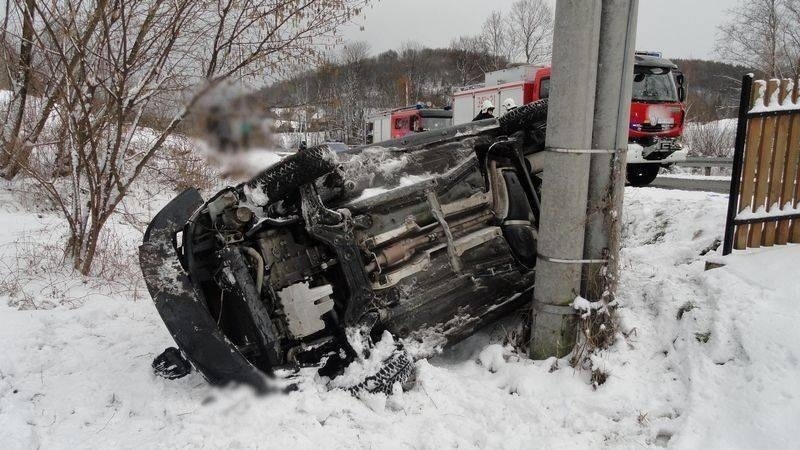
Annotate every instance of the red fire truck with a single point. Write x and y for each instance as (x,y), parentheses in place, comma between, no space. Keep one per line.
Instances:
(656,119)
(399,122)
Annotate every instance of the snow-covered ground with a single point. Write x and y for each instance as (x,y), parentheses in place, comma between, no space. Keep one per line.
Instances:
(695,176)
(704,359)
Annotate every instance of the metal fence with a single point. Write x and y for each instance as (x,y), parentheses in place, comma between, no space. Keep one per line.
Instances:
(763,206)
(706,161)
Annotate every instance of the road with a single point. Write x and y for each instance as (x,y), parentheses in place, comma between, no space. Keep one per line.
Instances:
(692,184)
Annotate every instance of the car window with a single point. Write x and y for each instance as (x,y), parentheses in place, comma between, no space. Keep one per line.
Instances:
(435,123)
(544,88)
(653,84)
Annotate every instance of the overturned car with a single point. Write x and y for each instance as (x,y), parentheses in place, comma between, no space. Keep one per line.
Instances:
(428,237)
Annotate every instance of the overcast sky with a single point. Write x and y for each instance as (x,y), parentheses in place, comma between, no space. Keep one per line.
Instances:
(678,28)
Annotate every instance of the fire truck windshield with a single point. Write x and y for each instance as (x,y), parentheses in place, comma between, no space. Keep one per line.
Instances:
(435,123)
(653,84)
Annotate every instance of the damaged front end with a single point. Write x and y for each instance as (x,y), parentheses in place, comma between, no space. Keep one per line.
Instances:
(182,307)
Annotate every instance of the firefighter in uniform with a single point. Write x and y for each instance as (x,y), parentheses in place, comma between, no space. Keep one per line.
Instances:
(509,104)
(487,111)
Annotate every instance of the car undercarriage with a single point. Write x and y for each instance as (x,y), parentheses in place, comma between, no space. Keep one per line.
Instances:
(428,237)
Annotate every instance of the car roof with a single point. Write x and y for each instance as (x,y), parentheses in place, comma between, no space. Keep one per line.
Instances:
(436,113)
(337,147)
(653,61)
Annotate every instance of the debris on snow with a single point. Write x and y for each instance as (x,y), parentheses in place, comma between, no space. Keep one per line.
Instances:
(493,357)
(366,364)
(585,307)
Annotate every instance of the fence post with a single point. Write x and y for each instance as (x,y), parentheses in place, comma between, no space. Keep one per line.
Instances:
(738,158)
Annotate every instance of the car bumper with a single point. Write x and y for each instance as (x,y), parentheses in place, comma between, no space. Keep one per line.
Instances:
(636,155)
(181,307)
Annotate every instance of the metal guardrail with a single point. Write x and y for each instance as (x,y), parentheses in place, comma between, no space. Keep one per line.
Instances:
(704,161)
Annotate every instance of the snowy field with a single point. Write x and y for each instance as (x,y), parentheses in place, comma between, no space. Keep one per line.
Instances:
(704,359)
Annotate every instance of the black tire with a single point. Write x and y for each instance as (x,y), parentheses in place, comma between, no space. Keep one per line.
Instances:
(524,117)
(642,174)
(398,367)
(284,178)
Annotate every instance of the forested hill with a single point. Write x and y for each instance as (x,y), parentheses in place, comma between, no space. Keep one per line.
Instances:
(713,88)
(388,80)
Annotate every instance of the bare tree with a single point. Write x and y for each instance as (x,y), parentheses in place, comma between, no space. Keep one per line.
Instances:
(497,39)
(107,61)
(352,93)
(531,23)
(20,80)
(354,52)
(415,62)
(759,34)
(791,35)
(467,57)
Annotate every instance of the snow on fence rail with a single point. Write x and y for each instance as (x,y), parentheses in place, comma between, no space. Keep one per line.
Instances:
(706,161)
(765,186)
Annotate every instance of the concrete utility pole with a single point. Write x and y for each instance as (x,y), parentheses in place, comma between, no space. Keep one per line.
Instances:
(566,171)
(611,118)
(587,123)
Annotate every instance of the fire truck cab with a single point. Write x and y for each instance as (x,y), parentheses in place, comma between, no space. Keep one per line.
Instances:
(656,117)
(399,122)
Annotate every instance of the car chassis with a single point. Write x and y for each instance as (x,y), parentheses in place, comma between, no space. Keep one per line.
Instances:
(299,267)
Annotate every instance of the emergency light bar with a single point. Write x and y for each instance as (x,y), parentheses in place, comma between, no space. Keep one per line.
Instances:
(646,53)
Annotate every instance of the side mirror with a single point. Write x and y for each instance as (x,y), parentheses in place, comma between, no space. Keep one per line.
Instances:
(680,79)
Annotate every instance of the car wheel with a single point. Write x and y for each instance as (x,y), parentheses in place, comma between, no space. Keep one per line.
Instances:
(397,368)
(642,174)
(524,117)
(289,174)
